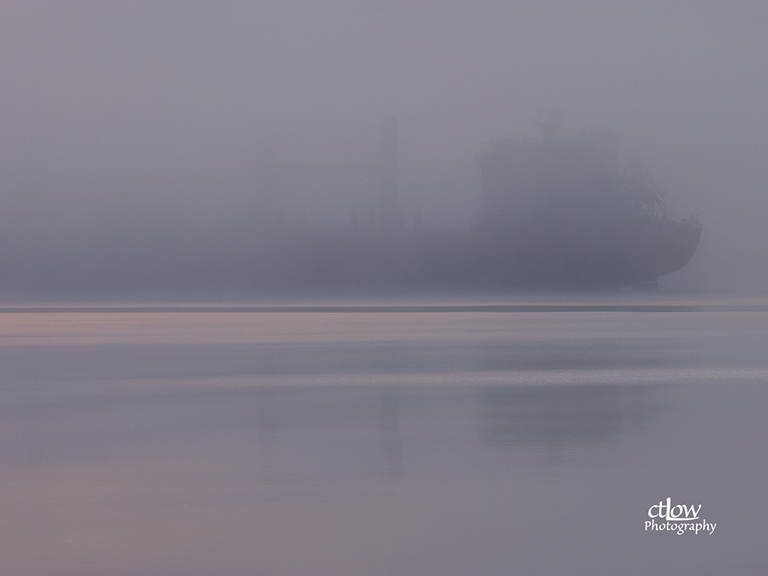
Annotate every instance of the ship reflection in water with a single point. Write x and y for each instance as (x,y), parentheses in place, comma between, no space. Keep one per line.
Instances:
(381,443)
(554,416)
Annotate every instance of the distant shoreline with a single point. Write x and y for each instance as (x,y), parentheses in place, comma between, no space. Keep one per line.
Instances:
(320,309)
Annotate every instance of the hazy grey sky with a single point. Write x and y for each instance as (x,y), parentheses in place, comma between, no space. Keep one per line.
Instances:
(117,102)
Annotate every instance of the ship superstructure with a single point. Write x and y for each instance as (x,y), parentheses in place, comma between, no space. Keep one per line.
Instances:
(553,214)
(566,215)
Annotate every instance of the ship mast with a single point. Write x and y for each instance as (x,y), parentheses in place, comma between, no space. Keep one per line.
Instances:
(388,174)
(384,169)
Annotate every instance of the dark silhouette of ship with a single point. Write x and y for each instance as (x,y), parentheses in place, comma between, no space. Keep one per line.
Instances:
(553,214)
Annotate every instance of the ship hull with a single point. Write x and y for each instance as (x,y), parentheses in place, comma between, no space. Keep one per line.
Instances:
(551,255)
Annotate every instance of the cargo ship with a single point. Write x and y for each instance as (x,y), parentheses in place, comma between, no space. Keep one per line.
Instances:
(555,214)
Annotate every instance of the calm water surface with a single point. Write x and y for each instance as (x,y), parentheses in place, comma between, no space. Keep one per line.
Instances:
(465,439)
